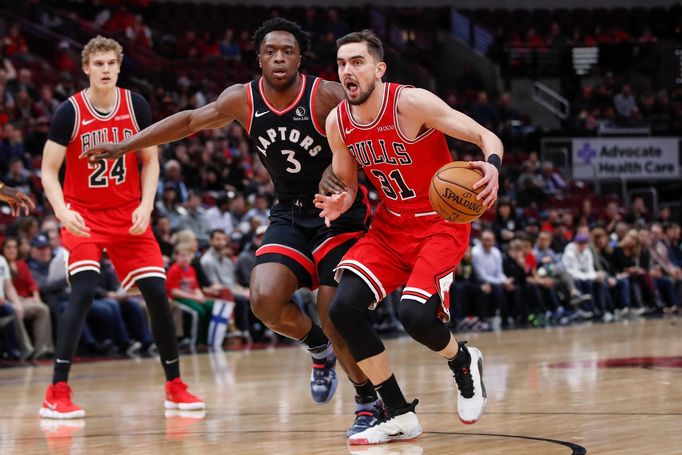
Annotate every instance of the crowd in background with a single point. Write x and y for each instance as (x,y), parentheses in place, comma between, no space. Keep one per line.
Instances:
(530,263)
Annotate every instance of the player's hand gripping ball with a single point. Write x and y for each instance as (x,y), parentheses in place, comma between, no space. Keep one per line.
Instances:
(452,195)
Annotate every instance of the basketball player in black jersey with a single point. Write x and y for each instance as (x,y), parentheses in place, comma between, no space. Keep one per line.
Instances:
(284,112)
(17,200)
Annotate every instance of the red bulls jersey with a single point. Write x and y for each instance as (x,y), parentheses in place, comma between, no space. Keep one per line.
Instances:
(105,184)
(400,168)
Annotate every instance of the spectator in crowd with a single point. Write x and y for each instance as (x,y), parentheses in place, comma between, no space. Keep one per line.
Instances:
(238,212)
(162,233)
(229,47)
(626,106)
(246,260)
(487,262)
(579,263)
(18,177)
(667,277)
(10,318)
(470,312)
(195,219)
(638,215)
(506,221)
(168,205)
(23,82)
(671,239)
(29,300)
(553,183)
(619,292)
(612,215)
(172,173)
(219,217)
(556,37)
(183,287)
(632,261)
(220,271)
(260,210)
(139,33)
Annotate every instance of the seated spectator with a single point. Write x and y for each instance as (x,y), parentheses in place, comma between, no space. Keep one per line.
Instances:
(32,306)
(260,210)
(246,260)
(469,311)
(579,263)
(671,238)
(229,47)
(195,219)
(168,205)
(183,286)
(139,33)
(632,261)
(220,271)
(219,217)
(506,221)
(128,309)
(618,295)
(626,106)
(10,320)
(638,215)
(667,276)
(553,183)
(162,233)
(487,262)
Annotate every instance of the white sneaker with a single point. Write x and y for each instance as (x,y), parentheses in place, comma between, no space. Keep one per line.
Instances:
(472,397)
(396,425)
(608,317)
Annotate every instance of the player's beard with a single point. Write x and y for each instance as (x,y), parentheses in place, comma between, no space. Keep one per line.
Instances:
(363,96)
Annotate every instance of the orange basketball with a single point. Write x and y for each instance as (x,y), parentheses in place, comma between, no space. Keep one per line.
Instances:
(452,195)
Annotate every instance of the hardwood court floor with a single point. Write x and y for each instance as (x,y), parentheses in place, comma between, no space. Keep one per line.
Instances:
(553,391)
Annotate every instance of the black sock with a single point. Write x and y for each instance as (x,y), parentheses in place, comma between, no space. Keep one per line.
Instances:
(83,285)
(365,392)
(153,290)
(316,340)
(462,359)
(390,393)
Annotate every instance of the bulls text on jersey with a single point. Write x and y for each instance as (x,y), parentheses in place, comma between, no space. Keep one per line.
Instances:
(371,151)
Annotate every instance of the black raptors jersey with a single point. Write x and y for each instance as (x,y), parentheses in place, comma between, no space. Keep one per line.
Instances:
(290,142)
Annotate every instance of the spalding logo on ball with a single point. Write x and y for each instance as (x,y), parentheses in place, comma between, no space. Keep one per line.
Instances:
(452,192)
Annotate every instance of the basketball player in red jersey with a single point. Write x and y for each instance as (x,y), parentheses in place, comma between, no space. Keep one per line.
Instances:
(16,200)
(396,134)
(284,112)
(106,205)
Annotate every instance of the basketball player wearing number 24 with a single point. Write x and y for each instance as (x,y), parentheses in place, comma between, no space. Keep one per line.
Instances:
(396,133)
(284,111)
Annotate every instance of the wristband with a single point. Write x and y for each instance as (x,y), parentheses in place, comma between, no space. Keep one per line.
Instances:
(495,160)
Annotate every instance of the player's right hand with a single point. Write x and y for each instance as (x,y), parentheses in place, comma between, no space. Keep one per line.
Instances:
(74,223)
(104,151)
(332,206)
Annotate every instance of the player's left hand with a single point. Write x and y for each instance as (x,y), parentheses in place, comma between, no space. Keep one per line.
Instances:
(140,219)
(330,183)
(332,206)
(16,200)
(490,182)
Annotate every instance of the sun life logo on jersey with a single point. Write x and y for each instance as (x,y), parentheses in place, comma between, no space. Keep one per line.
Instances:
(300,114)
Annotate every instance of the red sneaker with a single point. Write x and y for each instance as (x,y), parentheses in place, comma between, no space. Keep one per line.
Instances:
(177,397)
(58,404)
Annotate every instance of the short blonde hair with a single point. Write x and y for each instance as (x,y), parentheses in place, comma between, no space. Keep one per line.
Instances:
(183,247)
(101,44)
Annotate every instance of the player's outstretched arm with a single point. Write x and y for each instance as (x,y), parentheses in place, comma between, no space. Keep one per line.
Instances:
(345,169)
(424,108)
(16,200)
(177,126)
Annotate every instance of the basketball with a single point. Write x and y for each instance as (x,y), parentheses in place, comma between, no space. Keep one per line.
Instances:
(452,193)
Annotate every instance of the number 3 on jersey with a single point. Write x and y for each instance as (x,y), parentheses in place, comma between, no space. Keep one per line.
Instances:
(387,186)
(100,179)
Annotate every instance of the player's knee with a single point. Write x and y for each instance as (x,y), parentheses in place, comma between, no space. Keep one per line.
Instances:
(263,305)
(414,318)
(153,290)
(350,304)
(421,323)
(84,286)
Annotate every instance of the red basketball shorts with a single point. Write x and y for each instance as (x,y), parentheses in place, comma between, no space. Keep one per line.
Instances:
(418,250)
(134,256)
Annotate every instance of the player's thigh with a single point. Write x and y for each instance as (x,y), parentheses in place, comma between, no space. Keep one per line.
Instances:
(434,268)
(376,264)
(81,254)
(135,257)
(285,248)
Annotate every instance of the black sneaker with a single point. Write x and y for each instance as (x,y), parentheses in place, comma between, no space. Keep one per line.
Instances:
(323,380)
(394,425)
(366,415)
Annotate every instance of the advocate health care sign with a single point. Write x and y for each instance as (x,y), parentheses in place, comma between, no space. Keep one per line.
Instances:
(630,158)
